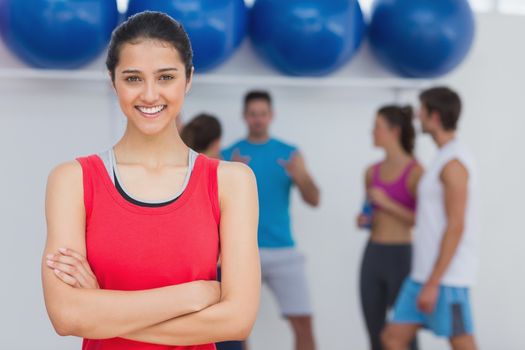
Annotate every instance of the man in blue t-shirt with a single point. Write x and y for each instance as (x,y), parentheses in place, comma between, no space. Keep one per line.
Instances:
(278,166)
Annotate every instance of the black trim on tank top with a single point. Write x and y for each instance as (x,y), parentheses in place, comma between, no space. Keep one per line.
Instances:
(136,202)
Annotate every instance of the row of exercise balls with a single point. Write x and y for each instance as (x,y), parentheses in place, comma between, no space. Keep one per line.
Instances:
(299,37)
(67,34)
(216,27)
(312,38)
(57,34)
(421,38)
(416,38)
(412,38)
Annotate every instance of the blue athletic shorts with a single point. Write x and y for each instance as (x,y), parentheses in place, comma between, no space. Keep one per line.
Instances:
(452,314)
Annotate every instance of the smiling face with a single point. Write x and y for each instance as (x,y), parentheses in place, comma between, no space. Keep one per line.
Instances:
(151,83)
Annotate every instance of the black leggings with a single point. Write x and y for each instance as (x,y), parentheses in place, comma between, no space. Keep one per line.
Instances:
(384,268)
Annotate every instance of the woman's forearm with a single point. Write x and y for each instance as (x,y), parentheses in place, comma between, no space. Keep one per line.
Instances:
(220,322)
(400,212)
(101,314)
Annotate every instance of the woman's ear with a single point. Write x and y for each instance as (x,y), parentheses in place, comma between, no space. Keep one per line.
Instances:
(189,81)
(397,131)
(112,79)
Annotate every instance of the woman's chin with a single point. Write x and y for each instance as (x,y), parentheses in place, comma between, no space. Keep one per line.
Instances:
(151,129)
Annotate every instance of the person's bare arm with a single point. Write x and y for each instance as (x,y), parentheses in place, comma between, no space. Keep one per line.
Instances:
(363,220)
(95,313)
(309,190)
(368,177)
(414,178)
(296,168)
(233,317)
(455,181)
(379,197)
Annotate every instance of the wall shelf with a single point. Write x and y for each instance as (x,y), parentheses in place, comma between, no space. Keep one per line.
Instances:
(229,79)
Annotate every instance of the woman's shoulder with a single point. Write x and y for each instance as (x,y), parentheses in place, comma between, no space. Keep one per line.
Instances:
(234,171)
(65,180)
(415,172)
(71,169)
(67,170)
(416,167)
(236,182)
(234,176)
(372,167)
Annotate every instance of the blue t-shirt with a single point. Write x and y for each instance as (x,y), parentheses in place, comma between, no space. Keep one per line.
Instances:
(273,184)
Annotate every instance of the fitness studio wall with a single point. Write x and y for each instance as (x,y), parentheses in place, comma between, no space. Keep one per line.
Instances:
(56,107)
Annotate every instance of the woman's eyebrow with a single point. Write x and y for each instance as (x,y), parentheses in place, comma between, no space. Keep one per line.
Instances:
(131,71)
(136,71)
(162,70)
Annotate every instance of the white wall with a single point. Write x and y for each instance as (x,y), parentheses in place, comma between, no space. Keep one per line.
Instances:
(46,122)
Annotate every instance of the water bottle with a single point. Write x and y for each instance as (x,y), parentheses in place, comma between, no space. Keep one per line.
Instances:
(368,211)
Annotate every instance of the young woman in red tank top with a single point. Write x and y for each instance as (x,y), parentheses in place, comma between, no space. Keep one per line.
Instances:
(125,276)
(391,188)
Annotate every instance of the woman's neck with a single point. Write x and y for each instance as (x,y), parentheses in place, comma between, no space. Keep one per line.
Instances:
(152,151)
(396,155)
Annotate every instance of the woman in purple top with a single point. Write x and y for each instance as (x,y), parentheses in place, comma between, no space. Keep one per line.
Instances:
(391,192)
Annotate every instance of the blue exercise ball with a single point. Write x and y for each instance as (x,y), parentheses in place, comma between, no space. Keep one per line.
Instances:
(216,27)
(59,34)
(421,38)
(307,37)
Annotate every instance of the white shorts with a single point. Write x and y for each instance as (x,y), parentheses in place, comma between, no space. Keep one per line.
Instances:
(283,271)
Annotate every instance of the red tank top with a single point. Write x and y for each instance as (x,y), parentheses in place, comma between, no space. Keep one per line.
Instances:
(130,247)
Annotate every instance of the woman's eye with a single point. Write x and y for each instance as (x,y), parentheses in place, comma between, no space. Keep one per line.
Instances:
(166,77)
(132,79)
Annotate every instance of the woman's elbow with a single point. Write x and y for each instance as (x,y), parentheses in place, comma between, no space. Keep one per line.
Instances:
(62,323)
(243,323)
(239,331)
(62,329)
(237,322)
(72,323)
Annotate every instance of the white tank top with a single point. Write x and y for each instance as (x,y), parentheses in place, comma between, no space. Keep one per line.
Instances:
(431,222)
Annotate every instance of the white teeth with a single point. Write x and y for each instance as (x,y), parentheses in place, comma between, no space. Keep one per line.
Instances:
(151,110)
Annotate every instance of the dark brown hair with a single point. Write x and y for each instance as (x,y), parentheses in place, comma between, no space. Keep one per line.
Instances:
(257,95)
(150,25)
(402,118)
(201,132)
(445,102)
